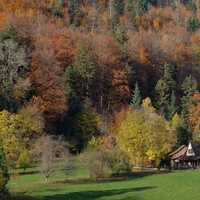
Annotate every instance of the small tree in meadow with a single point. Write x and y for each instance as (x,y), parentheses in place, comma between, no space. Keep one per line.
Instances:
(49,152)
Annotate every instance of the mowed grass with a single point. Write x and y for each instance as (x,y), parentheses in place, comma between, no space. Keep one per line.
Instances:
(179,185)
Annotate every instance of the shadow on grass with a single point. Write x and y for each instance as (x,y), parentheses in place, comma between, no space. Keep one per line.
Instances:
(29,172)
(21,197)
(93,195)
(114,178)
(85,195)
(25,172)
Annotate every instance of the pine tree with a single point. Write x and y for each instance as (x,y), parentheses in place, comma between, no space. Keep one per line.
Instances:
(121,36)
(119,7)
(172,108)
(142,6)
(136,97)
(189,87)
(193,24)
(86,124)
(130,5)
(56,8)
(79,78)
(165,86)
(182,134)
(74,12)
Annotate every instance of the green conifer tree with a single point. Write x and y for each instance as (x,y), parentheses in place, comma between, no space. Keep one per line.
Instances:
(164,87)
(172,108)
(136,97)
(119,7)
(74,12)
(121,36)
(142,6)
(182,134)
(189,87)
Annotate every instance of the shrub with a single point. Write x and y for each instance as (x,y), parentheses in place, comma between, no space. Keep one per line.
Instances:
(119,162)
(103,162)
(97,163)
(24,161)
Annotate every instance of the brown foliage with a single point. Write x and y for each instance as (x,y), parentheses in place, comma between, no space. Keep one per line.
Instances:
(53,52)
(194,116)
(113,74)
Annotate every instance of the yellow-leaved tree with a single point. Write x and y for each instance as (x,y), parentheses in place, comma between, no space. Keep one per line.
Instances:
(144,135)
(17,132)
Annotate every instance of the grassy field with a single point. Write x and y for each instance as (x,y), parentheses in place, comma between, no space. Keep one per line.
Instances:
(180,185)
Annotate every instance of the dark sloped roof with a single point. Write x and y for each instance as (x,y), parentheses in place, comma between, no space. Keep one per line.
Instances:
(180,153)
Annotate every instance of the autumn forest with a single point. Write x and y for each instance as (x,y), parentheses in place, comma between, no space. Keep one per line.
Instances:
(121,77)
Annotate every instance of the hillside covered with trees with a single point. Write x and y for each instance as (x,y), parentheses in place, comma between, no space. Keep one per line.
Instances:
(106,73)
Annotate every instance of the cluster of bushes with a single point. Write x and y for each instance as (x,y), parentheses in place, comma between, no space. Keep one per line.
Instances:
(103,161)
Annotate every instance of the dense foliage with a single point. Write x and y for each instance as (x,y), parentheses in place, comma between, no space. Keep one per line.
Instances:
(145,136)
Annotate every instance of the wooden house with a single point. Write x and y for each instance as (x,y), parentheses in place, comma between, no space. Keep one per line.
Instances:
(186,156)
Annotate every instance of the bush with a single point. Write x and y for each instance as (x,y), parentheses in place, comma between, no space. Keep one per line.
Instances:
(103,163)
(3,174)
(96,161)
(119,162)
(24,161)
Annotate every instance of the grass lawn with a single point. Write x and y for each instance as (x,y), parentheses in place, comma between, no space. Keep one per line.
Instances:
(180,185)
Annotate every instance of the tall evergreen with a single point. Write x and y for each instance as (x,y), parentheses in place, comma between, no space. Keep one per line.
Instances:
(142,6)
(193,24)
(119,7)
(85,125)
(74,12)
(80,77)
(56,8)
(130,5)
(121,36)
(172,108)
(85,64)
(165,86)
(136,97)
(183,133)
(118,10)
(188,87)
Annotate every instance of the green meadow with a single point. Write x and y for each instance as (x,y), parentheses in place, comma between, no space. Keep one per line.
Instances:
(179,185)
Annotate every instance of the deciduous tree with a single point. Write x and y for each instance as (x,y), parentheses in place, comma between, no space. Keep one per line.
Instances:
(145,136)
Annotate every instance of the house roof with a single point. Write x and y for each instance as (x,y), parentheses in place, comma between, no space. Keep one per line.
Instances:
(181,152)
